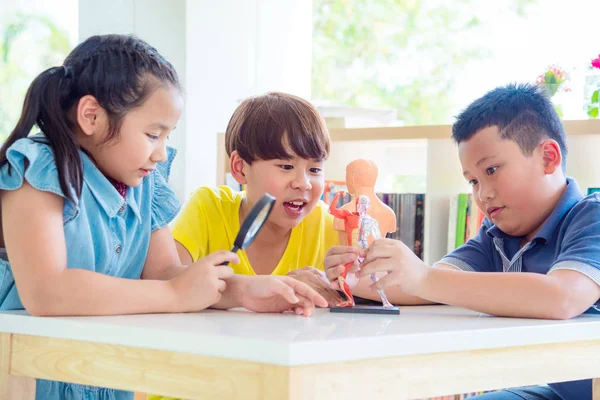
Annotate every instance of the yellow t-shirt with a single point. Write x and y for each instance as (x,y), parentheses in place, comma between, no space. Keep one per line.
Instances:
(210,221)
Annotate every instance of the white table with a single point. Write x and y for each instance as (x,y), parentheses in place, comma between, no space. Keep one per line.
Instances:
(425,351)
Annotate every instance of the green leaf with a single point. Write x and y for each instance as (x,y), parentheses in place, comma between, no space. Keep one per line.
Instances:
(595,96)
(592,112)
(559,110)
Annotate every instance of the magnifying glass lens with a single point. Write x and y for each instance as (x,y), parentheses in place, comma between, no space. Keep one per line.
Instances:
(256,225)
(253,222)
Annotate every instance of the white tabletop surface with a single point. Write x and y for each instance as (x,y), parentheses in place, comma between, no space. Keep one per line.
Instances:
(286,339)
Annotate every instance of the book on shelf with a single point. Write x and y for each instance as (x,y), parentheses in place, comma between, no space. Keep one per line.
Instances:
(593,190)
(464,220)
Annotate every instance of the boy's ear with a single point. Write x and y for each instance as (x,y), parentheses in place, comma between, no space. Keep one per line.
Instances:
(551,155)
(90,116)
(237,167)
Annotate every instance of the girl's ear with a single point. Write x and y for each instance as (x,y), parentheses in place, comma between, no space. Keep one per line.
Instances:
(237,167)
(551,155)
(91,117)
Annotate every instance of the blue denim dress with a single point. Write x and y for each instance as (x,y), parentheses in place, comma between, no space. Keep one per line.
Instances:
(104,232)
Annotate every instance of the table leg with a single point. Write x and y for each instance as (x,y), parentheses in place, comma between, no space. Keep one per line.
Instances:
(4,364)
(12,387)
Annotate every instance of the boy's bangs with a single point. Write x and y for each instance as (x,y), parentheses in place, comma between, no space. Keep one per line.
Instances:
(291,132)
(310,142)
(277,126)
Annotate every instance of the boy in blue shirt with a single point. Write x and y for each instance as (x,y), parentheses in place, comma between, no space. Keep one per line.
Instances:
(537,254)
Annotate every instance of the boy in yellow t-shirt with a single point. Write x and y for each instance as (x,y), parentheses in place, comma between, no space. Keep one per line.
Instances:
(277,143)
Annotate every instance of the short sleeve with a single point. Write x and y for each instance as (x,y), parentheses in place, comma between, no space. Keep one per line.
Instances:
(476,254)
(165,204)
(579,249)
(191,226)
(32,160)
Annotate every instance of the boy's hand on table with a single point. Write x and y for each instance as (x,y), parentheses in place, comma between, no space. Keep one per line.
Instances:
(317,280)
(334,262)
(276,294)
(403,267)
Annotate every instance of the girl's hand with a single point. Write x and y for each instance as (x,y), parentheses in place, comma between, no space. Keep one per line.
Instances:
(403,267)
(201,284)
(335,259)
(316,279)
(267,293)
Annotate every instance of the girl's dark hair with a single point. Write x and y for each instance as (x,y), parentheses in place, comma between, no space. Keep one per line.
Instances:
(120,71)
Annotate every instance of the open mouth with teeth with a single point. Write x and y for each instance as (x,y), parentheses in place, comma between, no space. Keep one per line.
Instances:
(293,207)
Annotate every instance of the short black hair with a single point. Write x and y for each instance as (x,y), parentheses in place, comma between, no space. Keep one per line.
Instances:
(522,112)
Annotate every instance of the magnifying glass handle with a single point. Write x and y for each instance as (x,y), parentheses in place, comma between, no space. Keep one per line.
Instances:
(233,250)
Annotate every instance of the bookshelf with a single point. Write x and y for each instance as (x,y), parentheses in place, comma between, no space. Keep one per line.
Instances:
(443,172)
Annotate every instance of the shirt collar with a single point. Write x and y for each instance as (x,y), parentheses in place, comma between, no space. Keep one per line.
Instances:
(105,193)
(571,196)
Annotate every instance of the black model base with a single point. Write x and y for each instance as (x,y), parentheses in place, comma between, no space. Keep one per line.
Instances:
(366,309)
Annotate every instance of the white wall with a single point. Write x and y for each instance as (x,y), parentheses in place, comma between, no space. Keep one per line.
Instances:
(224,51)
(236,49)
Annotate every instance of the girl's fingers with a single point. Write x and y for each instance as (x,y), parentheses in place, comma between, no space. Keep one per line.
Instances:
(221,256)
(224,272)
(302,290)
(307,306)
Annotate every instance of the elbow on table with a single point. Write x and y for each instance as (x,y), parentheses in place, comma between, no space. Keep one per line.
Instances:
(40,304)
(565,308)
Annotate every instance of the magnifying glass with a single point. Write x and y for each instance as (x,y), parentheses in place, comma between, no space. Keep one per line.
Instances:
(253,222)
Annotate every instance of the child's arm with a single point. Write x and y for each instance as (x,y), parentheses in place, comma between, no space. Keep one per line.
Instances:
(262,294)
(38,257)
(163,262)
(561,294)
